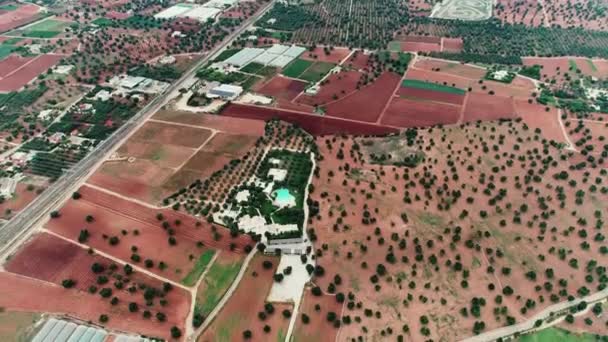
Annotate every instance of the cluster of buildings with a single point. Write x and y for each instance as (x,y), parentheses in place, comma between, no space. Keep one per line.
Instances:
(125,84)
(202,13)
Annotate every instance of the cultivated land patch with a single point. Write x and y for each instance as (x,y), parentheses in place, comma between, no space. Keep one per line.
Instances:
(488,107)
(296,68)
(226,124)
(18,326)
(367,103)
(282,87)
(334,87)
(318,328)
(316,72)
(15,80)
(47,28)
(431,95)
(179,135)
(417,84)
(471,10)
(241,311)
(403,112)
(319,54)
(22,15)
(52,259)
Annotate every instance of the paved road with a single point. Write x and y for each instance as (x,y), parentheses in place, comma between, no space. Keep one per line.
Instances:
(20,226)
(528,325)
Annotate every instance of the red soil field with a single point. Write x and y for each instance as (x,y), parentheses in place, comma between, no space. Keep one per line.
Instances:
(21,16)
(526,12)
(282,87)
(113,214)
(52,259)
(437,96)
(408,113)
(318,329)
(233,145)
(284,104)
(165,155)
(520,88)
(339,84)
(586,66)
(206,163)
(557,67)
(20,200)
(367,103)
(126,186)
(452,44)
(117,15)
(163,133)
(241,311)
(421,39)
(535,116)
(452,68)
(19,293)
(19,78)
(358,60)
(222,123)
(11,63)
(439,78)
(318,54)
(312,123)
(420,46)
(488,107)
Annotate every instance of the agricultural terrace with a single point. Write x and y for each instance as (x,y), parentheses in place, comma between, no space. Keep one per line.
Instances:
(493,212)
(268,182)
(339,23)
(468,10)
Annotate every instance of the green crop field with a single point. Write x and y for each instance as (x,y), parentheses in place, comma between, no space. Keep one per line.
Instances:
(296,68)
(317,71)
(226,54)
(47,28)
(199,268)
(431,86)
(252,68)
(102,22)
(8,7)
(217,281)
(558,335)
(5,50)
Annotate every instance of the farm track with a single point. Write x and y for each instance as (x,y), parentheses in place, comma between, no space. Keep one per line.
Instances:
(23,224)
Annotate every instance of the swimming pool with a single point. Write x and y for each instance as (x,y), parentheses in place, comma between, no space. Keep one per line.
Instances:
(283,198)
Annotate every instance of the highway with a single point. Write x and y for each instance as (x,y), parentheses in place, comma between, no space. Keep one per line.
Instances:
(24,223)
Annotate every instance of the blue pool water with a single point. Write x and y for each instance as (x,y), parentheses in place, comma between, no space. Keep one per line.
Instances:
(283,196)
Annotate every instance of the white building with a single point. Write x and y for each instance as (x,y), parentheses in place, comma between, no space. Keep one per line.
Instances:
(225,91)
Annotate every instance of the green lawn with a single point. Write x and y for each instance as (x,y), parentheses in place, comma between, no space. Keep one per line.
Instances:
(558,335)
(5,50)
(394,46)
(296,68)
(217,281)
(199,268)
(102,22)
(431,86)
(8,7)
(317,71)
(47,28)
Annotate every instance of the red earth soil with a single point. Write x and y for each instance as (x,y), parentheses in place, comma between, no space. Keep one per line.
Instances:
(421,39)
(452,68)
(312,123)
(12,63)
(21,16)
(165,155)
(408,113)
(358,60)
(19,293)
(221,123)
(21,77)
(437,96)
(367,103)
(558,66)
(488,107)
(452,44)
(117,15)
(318,54)
(339,84)
(233,145)
(526,12)
(282,87)
(166,133)
(535,116)
(318,329)
(52,259)
(420,46)
(287,105)
(132,187)
(243,307)
(439,78)
(112,215)
(20,200)
(519,88)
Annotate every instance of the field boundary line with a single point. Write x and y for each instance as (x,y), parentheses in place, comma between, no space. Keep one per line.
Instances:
(193,292)
(21,67)
(462,109)
(566,136)
(197,150)
(185,125)
(397,87)
(115,259)
(227,295)
(115,194)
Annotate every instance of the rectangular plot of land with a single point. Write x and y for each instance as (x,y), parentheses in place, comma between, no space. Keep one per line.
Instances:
(172,134)
(317,71)
(463,10)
